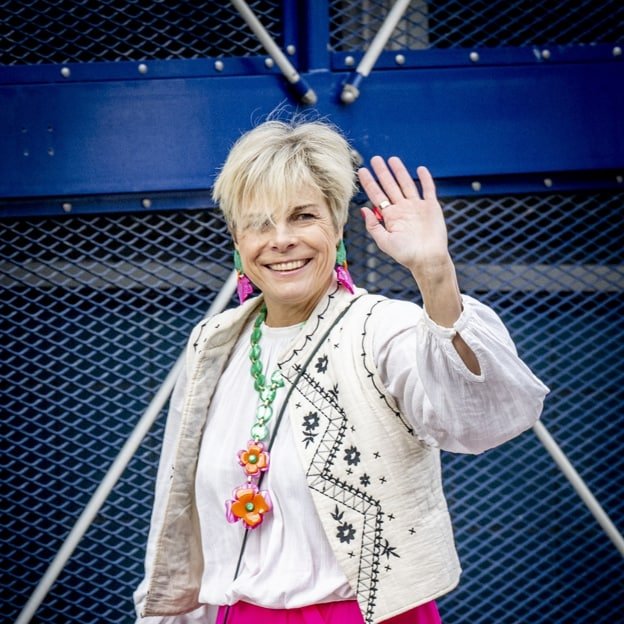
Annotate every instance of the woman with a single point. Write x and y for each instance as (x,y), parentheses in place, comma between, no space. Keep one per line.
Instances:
(300,478)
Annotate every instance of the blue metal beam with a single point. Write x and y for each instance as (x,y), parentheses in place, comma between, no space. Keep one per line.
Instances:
(170,134)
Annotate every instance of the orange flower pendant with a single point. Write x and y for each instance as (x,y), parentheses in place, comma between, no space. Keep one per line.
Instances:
(254,459)
(249,505)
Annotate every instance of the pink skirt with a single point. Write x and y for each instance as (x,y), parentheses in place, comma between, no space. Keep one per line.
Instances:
(346,612)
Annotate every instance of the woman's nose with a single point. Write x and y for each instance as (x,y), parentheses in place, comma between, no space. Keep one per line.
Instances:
(283,235)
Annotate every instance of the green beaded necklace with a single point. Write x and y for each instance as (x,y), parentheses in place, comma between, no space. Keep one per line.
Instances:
(259,430)
(248,503)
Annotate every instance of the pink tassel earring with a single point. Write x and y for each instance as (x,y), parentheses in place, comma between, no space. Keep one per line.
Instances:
(342,272)
(244,287)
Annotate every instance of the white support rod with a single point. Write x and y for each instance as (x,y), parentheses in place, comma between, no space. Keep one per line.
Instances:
(116,469)
(350,90)
(579,485)
(381,38)
(307,95)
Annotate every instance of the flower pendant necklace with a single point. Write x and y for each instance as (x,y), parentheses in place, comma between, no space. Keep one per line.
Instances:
(248,503)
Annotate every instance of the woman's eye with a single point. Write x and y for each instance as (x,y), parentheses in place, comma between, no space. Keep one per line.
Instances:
(304,216)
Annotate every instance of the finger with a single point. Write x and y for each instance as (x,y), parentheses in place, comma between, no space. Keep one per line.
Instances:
(373,226)
(370,186)
(386,180)
(427,183)
(403,177)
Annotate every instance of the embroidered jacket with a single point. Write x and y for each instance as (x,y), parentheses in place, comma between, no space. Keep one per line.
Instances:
(390,533)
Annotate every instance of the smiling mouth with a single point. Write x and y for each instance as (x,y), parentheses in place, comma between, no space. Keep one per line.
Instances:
(287,266)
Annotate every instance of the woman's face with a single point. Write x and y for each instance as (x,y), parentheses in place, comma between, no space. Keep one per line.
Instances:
(291,260)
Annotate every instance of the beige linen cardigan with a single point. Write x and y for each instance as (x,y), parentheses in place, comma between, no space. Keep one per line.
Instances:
(376,487)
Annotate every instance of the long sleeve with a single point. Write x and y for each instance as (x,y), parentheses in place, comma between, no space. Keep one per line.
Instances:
(448,406)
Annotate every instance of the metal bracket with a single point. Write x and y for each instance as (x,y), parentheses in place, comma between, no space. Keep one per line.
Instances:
(350,89)
(303,91)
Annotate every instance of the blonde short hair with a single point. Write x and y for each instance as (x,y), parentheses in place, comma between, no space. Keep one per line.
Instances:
(268,165)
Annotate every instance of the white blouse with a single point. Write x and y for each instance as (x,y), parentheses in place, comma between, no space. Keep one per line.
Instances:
(287,560)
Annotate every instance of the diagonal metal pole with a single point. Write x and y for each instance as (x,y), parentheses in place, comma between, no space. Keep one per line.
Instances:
(305,93)
(350,89)
(579,485)
(116,469)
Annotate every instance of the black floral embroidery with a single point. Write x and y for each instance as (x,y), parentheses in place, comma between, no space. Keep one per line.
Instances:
(311,421)
(310,424)
(345,533)
(389,550)
(321,364)
(365,480)
(352,456)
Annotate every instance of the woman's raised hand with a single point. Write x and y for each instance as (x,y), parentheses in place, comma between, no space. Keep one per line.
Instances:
(413,231)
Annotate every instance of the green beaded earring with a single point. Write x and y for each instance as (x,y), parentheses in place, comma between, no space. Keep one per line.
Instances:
(238,263)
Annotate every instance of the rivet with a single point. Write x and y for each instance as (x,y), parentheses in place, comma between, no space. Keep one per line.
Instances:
(142,68)
(65,72)
(50,151)
(399,59)
(545,54)
(26,152)
(619,179)
(617,51)
(290,49)
(548,182)
(347,96)
(268,62)
(146,203)
(476,186)
(67,207)
(218,65)
(349,61)
(50,129)
(474,57)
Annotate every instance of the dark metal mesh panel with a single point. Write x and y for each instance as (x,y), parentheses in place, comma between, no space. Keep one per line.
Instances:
(97,308)
(85,31)
(456,24)
(95,312)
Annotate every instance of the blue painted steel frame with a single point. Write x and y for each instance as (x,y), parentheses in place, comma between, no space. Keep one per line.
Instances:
(109,136)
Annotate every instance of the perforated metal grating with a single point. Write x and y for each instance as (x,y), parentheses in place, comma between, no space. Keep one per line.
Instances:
(97,308)
(85,31)
(454,24)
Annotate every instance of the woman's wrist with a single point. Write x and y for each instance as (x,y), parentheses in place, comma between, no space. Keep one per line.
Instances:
(440,293)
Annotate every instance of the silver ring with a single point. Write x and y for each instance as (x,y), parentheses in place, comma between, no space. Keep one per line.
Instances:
(384,204)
